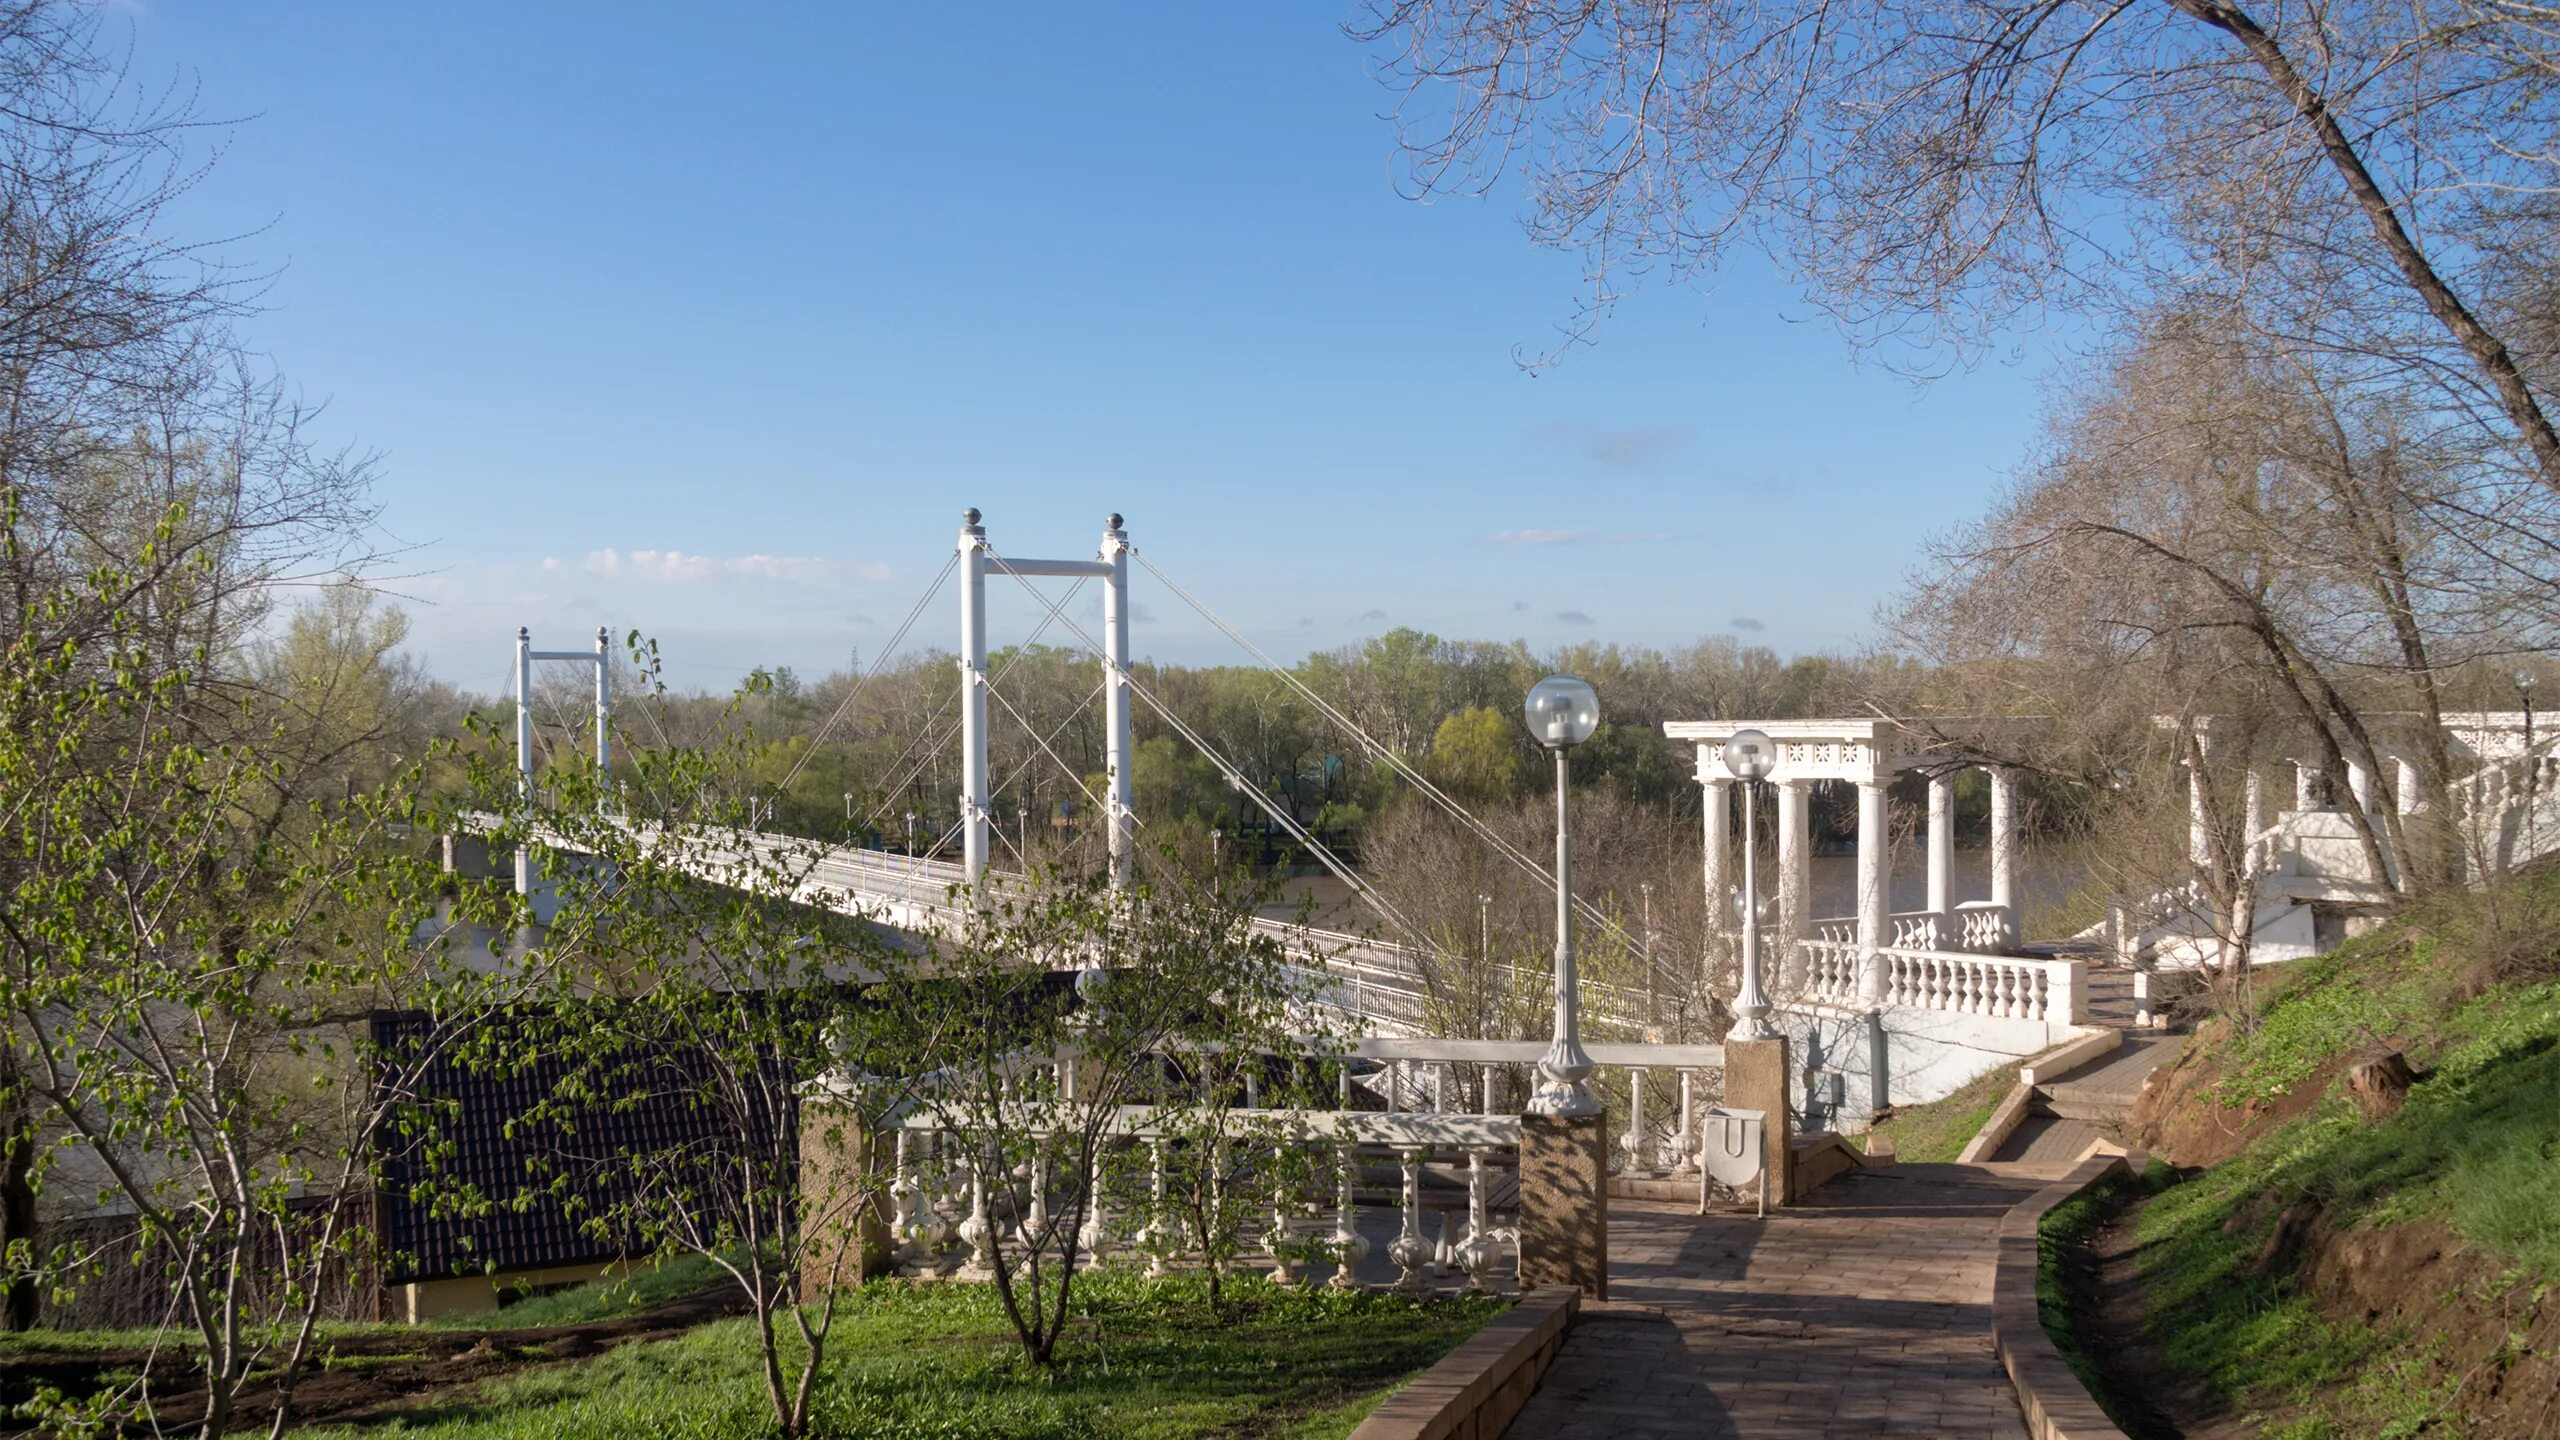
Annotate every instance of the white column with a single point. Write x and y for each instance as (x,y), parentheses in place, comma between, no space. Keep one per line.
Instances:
(1122,820)
(973,695)
(2360,786)
(1942,850)
(1795,849)
(2004,839)
(1716,831)
(524,755)
(2199,836)
(604,723)
(2306,785)
(1875,888)
(2406,778)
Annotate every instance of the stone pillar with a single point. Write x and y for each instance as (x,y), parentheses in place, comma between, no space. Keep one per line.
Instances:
(1756,1077)
(1716,835)
(1875,888)
(1795,854)
(2004,851)
(844,1188)
(1942,851)
(1564,1201)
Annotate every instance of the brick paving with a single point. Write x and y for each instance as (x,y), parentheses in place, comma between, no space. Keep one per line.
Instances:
(1865,1311)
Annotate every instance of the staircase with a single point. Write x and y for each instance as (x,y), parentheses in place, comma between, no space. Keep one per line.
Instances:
(2067,1114)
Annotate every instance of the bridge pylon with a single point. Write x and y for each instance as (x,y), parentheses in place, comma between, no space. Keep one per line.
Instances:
(977,561)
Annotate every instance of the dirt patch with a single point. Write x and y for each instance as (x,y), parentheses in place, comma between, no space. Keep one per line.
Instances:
(2499,1337)
(2494,1342)
(356,1378)
(2179,1117)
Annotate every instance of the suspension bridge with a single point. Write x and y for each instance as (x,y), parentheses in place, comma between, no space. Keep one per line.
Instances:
(1378,975)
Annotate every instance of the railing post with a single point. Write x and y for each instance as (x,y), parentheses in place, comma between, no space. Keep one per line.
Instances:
(2069,1003)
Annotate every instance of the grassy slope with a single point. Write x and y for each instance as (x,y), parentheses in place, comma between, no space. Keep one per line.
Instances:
(938,1360)
(2476,1149)
(1938,1131)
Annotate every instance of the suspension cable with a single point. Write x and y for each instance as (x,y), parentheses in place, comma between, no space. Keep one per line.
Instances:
(878,662)
(1395,762)
(934,736)
(1288,823)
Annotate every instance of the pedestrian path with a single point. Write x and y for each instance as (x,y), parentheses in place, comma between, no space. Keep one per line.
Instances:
(1865,1311)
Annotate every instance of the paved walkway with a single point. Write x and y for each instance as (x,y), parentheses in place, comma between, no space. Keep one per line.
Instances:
(1865,1311)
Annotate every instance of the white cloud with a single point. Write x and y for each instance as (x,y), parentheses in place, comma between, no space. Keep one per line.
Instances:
(1630,448)
(678,567)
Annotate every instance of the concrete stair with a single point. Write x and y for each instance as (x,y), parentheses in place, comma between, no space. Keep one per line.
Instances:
(2087,1105)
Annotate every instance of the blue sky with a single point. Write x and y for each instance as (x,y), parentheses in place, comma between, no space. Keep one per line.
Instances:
(710,324)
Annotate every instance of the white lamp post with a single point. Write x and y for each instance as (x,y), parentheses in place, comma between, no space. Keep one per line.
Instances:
(1749,755)
(1562,711)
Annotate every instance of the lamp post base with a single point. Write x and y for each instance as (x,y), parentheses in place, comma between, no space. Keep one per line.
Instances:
(1564,1202)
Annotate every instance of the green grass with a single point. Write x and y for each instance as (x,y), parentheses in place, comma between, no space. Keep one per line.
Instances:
(2061,1230)
(646,1288)
(1937,1132)
(938,1360)
(2475,1148)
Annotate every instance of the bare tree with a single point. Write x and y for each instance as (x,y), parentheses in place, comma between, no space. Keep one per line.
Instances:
(1935,173)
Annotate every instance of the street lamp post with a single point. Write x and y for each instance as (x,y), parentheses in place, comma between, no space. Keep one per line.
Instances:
(1562,712)
(1652,1005)
(1749,755)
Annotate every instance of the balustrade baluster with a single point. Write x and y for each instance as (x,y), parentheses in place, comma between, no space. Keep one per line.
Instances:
(1159,1233)
(945,1190)
(1094,1236)
(1633,1138)
(1685,1146)
(1034,1231)
(978,1232)
(1410,1251)
(1350,1247)
(1276,1239)
(1475,1254)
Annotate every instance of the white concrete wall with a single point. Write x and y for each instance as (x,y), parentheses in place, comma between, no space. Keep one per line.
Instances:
(1898,1056)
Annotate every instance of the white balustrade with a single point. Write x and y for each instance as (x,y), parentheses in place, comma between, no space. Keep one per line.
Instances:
(1830,969)
(1998,986)
(1983,928)
(1915,930)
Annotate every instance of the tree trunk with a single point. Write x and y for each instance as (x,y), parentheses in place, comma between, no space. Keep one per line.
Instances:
(2495,362)
(2380,1084)
(20,1299)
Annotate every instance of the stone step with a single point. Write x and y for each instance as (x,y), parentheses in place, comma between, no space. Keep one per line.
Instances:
(2068,1103)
